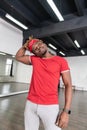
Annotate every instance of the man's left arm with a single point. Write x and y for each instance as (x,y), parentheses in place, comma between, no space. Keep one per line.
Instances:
(63,118)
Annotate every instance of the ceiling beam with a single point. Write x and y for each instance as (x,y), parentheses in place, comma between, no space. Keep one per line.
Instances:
(85,33)
(74,52)
(80,7)
(49,10)
(71,41)
(2,13)
(58,28)
(57,43)
(22,10)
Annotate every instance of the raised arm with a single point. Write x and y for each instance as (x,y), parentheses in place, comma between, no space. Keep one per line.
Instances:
(20,55)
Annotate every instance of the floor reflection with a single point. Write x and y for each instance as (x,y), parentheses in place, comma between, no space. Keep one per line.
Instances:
(10,89)
(4,104)
(6,88)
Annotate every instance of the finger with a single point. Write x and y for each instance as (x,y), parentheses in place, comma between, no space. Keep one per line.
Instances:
(57,120)
(64,125)
(60,123)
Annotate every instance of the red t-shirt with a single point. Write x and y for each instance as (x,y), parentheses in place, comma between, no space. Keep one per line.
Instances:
(45,79)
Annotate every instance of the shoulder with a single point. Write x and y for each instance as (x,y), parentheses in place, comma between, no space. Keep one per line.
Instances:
(34,58)
(61,59)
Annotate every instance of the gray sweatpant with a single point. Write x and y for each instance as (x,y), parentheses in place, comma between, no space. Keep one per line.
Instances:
(47,113)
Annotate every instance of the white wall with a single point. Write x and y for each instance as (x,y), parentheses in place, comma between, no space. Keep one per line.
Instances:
(23,73)
(10,38)
(3,76)
(10,42)
(78,66)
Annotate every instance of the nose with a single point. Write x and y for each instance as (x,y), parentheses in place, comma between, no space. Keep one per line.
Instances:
(39,46)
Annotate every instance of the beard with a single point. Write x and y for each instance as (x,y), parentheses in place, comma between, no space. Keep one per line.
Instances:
(42,53)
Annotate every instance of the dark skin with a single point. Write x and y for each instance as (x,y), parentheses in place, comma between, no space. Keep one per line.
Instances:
(40,49)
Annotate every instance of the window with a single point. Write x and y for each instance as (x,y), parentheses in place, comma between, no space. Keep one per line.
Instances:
(9,66)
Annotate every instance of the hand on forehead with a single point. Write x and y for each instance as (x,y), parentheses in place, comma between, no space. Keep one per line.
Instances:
(32,42)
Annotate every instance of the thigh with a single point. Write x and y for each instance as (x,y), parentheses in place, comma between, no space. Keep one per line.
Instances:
(48,115)
(31,118)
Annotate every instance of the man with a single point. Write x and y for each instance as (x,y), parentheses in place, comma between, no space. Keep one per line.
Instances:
(42,100)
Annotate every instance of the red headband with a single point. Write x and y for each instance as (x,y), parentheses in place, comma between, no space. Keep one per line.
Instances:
(31,43)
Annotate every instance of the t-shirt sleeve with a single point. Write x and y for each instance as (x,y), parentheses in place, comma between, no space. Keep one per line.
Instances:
(32,59)
(64,66)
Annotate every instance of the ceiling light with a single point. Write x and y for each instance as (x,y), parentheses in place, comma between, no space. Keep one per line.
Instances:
(52,46)
(61,53)
(55,9)
(1,53)
(77,44)
(16,21)
(83,53)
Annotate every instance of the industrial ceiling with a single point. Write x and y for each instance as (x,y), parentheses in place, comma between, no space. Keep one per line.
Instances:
(43,23)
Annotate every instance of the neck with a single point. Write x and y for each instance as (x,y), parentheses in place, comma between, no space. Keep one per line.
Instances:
(47,55)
